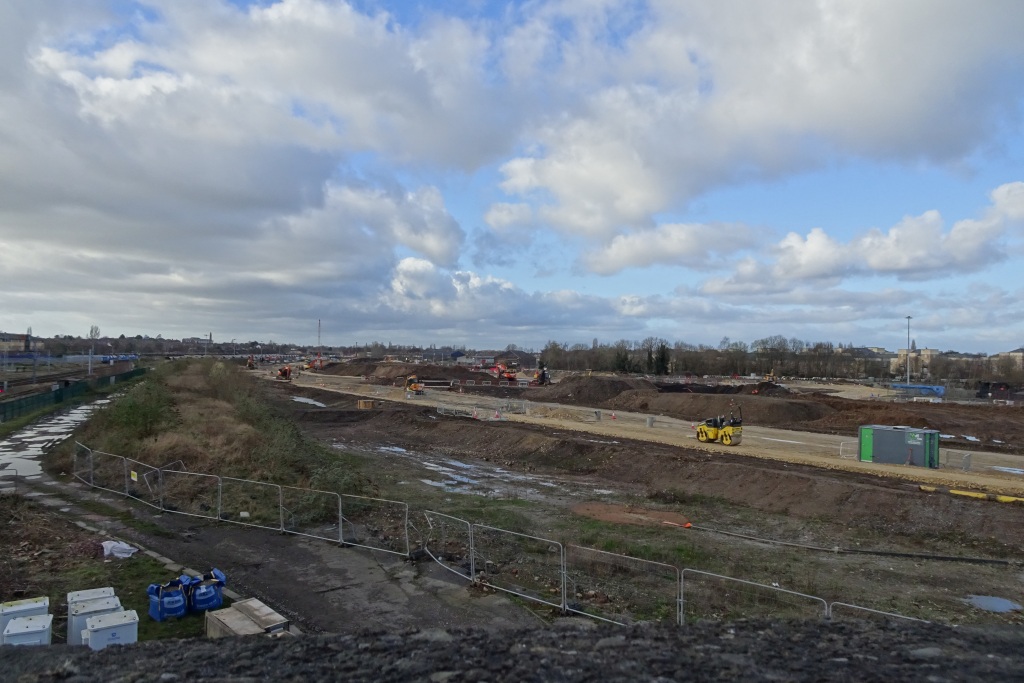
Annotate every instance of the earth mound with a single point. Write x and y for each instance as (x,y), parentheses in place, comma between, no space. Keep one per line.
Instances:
(591,391)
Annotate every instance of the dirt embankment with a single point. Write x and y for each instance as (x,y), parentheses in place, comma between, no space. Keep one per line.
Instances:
(656,470)
(386,373)
(997,427)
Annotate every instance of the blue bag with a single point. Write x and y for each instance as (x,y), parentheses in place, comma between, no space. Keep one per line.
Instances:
(167,600)
(204,592)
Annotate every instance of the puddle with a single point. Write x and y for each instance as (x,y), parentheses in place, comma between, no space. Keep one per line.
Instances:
(946,436)
(479,479)
(1010,470)
(970,438)
(992,604)
(21,452)
(303,399)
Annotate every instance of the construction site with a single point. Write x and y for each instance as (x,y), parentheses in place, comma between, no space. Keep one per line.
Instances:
(466,499)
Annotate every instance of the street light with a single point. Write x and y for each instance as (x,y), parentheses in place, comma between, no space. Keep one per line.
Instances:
(908,349)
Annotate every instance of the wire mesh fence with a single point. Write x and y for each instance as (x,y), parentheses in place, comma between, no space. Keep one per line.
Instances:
(191,493)
(714,596)
(310,512)
(449,542)
(607,586)
(109,472)
(249,502)
(620,588)
(143,482)
(528,566)
(375,523)
(842,610)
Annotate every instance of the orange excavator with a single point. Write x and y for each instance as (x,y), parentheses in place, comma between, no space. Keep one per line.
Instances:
(508,372)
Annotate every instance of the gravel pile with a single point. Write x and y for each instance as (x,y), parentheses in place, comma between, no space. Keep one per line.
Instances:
(708,651)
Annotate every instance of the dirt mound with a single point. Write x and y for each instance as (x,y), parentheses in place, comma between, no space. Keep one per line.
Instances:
(388,372)
(591,391)
(761,410)
(760,388)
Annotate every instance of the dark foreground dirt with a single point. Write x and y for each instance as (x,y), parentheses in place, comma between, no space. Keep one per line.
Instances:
(708,651)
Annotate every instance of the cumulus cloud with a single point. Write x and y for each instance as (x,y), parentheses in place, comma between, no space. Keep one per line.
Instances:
(917,248)
(695,246)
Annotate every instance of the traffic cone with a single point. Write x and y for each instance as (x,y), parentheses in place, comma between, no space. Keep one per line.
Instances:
(475,416)
(497,415)
(613,416)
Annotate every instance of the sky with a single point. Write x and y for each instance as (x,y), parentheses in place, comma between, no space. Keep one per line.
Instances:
(481,173)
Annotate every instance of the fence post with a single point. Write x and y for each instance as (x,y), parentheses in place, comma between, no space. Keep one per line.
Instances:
(160,484)
(280,507)
(220,498)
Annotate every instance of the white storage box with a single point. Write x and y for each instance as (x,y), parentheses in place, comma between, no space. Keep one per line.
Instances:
(29,630)
(89,594)
(31,607)
(80,611)
(117,628)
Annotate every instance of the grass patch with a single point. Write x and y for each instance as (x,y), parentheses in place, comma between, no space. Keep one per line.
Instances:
(47,555)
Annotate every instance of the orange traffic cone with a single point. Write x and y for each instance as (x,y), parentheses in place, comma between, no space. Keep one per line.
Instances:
(475,416)
(497,415)
(613,416)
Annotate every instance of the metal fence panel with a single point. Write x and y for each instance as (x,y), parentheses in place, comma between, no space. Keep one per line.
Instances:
(715,596)
(143,482)
(449,542)
(620,588)
(308,512)
(109,472)
(528,566)
(81,464)
(190,493)
(842,610)
(252,503)
(375,523)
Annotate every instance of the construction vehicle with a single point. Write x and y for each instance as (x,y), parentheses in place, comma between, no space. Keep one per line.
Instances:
(413,385)
(509,371)
(770,377)
(541,377)
(728,431)
(285,373)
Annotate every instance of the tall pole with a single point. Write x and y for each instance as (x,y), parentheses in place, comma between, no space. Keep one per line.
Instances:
(908,349)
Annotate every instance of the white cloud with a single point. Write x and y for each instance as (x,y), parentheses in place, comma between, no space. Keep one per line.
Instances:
(694,246)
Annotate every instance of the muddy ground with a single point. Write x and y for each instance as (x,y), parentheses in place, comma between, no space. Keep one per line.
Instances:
(808,408)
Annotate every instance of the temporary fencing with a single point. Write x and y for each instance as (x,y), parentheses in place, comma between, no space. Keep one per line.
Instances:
(619,588)
(313,513)
(191,493)
(707,595)
(375,523)
(607,586)
(449,542)
(251,503)
(842,610)
(143,482)
(528,566)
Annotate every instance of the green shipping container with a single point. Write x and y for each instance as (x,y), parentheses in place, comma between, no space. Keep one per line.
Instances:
(899,445)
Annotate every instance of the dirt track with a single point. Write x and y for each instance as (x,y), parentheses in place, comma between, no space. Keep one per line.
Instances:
(805,447)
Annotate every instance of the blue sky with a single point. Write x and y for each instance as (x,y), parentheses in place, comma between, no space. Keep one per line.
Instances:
(492,173)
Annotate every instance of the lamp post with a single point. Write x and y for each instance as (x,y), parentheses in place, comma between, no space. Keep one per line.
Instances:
(233,352)
(908,349)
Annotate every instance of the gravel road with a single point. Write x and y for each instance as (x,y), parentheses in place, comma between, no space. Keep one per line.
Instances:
(708,651)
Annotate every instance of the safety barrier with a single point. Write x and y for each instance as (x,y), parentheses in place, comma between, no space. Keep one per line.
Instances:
(449,542)
(619,588)
(606,586)
(312,513)
(251,503)
(704,594)
(528,566)
(375,523)
(957,459)
(59,393)
(858,612)
(850,453)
